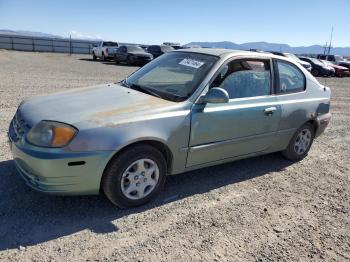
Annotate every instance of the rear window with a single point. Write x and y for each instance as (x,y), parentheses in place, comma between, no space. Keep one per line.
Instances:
(166,48)
(110,44)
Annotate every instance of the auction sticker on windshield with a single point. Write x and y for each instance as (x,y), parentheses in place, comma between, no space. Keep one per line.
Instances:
(191,63)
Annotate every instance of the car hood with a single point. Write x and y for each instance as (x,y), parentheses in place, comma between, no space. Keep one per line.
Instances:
(304,63)
(340,67)
(96,105)
(344,63)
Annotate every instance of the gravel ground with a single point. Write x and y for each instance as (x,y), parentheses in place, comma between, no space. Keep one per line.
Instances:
(258,209)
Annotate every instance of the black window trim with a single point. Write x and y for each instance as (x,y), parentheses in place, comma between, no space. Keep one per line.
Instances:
(277,80)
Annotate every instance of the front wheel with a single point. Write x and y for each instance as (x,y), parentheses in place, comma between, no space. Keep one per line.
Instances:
(135,177)
(300,143)
(315,72)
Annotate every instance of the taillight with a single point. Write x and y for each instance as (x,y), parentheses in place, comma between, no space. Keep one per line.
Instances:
(106,50)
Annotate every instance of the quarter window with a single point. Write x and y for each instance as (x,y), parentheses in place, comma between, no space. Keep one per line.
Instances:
(245,78)
(291,79)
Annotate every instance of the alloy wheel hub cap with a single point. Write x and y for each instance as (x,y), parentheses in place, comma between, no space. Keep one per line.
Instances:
(139,179)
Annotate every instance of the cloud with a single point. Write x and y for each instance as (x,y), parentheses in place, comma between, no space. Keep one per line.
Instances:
(78,35)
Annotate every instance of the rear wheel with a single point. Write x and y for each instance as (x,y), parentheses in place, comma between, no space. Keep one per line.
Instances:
(300,144)
(135,177)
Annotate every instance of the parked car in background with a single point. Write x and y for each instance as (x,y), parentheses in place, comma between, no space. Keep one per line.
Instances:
(340,71)
(318,68)
(176,46)
(132,55)
(158,50)
(104,50)
(305,64)
(186,110)
(336,59)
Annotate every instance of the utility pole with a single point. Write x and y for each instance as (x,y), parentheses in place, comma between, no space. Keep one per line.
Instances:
(325,48)
(70,44)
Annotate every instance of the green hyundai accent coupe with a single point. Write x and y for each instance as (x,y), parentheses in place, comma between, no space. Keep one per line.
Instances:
(185,110)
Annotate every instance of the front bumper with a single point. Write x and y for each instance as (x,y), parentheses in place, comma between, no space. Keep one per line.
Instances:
(58,172)
(140,59)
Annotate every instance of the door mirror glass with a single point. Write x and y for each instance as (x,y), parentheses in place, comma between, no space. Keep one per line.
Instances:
(215,95)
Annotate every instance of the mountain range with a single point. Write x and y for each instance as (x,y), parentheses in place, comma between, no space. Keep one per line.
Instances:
(265,46)
(27,33)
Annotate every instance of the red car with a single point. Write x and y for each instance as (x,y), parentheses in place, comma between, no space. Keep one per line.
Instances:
(340,71)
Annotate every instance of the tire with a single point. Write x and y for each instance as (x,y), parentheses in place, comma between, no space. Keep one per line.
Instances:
(127,61)
(132,179)
(315,72)
(94,56)
(299,147)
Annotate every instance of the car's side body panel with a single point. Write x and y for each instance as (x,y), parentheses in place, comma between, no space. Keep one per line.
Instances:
(240,127)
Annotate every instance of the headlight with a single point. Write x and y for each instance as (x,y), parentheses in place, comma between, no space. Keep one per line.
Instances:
(51,134)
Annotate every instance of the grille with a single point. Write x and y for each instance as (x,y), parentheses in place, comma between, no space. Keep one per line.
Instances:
(19,127)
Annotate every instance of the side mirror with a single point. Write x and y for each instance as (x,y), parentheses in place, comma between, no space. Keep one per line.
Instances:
(215,95)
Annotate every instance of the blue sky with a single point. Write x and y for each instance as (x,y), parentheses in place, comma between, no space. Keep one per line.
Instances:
(294,22)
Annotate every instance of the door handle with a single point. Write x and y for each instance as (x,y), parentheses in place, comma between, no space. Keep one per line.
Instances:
(270,110)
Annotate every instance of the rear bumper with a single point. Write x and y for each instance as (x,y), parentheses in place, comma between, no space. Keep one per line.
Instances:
(343,73)
(110,55)
(53,173)
(322,123)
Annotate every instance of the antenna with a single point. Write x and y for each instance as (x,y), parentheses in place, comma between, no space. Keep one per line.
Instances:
(330,42)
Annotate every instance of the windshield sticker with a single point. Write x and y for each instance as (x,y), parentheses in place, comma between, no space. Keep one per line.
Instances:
(191,63)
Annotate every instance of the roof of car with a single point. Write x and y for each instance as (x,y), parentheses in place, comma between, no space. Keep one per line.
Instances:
(221,51)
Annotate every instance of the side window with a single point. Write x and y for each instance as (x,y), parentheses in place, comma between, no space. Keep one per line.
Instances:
(331,58)
(245,78)
(291,79)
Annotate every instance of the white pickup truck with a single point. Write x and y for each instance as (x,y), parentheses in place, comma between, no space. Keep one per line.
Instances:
(104,50)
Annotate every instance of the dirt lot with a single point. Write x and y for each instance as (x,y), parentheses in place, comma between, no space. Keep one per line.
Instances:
(259,209)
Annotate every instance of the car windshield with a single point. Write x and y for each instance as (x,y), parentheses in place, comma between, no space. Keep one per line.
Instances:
(135,49)
(173,76)
(166,48)
(316,61)
(292,56)
(110,44)
(327,63)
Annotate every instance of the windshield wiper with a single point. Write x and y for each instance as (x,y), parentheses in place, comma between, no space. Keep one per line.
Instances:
(146,90)
(150,92)
(140,88)
(124,83)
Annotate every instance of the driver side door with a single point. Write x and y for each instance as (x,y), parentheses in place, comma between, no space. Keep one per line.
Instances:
(246,125)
